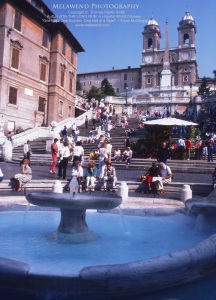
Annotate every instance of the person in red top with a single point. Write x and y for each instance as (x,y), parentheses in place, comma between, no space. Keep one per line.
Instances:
(54,152)
(188,146)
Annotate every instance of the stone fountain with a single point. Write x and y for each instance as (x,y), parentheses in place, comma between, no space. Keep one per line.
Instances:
(73,210)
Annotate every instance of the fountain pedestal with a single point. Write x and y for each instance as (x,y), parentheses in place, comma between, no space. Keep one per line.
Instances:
(73,209)
(72,221)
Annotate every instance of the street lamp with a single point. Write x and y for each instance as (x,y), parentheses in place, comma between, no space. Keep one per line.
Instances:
(190,92)
(44,110)
(126,88)
(214,71)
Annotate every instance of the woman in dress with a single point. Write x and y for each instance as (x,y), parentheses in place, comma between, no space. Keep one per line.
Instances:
(23,177)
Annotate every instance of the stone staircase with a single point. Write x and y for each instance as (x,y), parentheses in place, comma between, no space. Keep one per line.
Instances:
(118,136)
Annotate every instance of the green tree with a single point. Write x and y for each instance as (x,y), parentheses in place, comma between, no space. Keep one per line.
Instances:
(78,86)
(106,88)
(204,87)
(95,93)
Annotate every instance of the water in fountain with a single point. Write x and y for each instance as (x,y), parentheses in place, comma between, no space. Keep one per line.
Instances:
(34,242)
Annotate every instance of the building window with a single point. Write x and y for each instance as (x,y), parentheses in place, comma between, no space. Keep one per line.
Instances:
(185,78)
(148,81)
(125,86)
(125,76)
(13,95)
(70,84)
(63,46)
(41,104)
(15,58)
(89,83)
(62,77)
(72,56)
(61,108)
(43,69)
(186,39)
(45,39)
(17,20)
(69,111)
(150,43)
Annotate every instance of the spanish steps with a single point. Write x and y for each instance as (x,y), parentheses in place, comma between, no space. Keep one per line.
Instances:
(118,136)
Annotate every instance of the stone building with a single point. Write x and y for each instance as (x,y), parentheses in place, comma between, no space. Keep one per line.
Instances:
(119,79)
(38,65)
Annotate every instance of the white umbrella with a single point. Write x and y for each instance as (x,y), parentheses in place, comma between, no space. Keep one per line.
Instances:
(170,122)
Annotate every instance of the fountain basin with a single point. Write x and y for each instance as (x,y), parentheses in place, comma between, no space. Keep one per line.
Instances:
(114,281)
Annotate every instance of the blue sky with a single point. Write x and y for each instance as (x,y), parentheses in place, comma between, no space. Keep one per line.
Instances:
(104,27)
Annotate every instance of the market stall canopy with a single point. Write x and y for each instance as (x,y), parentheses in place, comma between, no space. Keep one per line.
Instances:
(170,122)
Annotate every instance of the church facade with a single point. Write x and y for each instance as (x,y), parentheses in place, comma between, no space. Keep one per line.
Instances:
(182,59)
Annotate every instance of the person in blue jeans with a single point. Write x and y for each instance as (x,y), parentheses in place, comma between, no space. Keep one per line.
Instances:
(127,155)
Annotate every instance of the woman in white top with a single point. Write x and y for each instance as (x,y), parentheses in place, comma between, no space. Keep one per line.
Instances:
(127,155)
(76,178)
(103,154)
(64,157)
(77,152)
(117,154)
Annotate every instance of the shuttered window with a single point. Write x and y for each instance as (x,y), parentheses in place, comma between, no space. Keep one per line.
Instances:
(13,95)
(17,20)
(62,77)
(45,39)
(15,58)
(71,85)
(43,72)
(41,104)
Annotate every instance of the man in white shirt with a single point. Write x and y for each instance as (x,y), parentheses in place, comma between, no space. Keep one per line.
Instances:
(166,177)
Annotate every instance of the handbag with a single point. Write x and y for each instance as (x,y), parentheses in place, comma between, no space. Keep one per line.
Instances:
(107,159)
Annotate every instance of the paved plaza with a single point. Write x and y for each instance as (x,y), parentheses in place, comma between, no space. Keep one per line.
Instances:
(42,172)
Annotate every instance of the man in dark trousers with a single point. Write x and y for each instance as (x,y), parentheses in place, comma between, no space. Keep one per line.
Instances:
(163,153)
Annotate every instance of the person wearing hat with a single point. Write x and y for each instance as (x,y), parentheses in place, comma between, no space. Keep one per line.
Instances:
(54,153)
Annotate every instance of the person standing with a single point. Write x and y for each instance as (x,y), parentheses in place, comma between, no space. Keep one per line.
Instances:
(210,146)
(197,147)
(103,156)
(54,153)
(181,147)
(86,122)
(1,175)
(64,157)
(73,128)
(77,153)
(27,151)
(163,153)
(188,147)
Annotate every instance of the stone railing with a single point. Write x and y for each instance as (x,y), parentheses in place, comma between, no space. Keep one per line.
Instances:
(37,132)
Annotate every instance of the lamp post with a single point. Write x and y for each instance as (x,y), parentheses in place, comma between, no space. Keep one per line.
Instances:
(214,71)
(190,92)
(126,88)
(44,110)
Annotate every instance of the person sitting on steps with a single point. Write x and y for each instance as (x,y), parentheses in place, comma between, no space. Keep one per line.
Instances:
(166,177)
(91,173)
(109,175)
(152,172)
